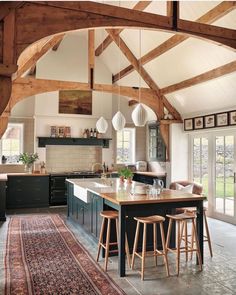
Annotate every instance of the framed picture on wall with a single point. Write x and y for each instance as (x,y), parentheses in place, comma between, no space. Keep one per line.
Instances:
(198,123)
(61,131)
(188,124)
(54,131)
(209,121)
(232,118)
(221,119)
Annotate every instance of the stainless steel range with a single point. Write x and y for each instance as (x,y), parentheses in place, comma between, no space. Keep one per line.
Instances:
(58,190)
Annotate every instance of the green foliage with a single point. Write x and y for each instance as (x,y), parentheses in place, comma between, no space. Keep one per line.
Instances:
(126,172)
(27,159)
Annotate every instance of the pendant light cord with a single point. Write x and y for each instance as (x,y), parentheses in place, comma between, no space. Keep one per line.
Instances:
(139,96)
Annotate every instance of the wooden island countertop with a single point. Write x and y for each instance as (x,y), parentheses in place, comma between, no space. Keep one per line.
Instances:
(123,193)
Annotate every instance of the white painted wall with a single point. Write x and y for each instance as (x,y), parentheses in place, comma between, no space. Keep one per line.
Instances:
(25,108)
(70,63)
(178,168)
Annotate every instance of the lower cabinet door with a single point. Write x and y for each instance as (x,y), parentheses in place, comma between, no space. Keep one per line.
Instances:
(97,207)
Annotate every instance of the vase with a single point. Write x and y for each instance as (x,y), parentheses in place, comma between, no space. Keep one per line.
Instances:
(28,168)
(129,179)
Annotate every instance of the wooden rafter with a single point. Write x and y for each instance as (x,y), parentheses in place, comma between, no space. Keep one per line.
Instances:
(145,76)
(56,46)
(8,6)
(141,5)
(91,34)
(207,76)
(208,18)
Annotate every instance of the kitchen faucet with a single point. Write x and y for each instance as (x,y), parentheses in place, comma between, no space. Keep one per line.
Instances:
(96,166)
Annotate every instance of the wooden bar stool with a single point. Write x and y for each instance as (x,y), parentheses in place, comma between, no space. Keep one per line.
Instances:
(181,220)
(110,215)
(154,220)
(206,237)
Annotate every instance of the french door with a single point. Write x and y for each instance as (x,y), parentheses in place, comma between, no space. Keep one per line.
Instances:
(224,174)
(213,165)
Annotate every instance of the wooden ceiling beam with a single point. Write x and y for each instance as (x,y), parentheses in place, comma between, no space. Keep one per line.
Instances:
(8,6)
(132,102)
(207,76)
(91,57)
(56,46)
(145,76)
(141,5)
(24,87)
(208,18)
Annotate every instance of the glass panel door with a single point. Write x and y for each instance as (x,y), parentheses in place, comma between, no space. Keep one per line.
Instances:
(224,180)
(200,162)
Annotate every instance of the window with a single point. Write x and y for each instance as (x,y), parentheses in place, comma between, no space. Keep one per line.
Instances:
(125,146)
(11,143)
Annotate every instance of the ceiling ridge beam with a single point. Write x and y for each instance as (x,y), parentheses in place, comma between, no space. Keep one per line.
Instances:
(146,77)
(204,77)
(141,5)
(211,16)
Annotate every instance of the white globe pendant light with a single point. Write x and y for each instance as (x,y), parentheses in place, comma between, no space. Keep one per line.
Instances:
(118,121)
(139,115)
(102,125)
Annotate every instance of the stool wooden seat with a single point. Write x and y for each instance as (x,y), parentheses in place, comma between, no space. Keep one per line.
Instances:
(181,220)
(155,219)
(110,215)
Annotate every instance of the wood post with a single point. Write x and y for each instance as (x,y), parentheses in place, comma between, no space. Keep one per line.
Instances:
(3,125)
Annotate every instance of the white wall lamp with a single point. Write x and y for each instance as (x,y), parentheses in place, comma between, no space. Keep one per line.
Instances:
(118,120)
(139,114)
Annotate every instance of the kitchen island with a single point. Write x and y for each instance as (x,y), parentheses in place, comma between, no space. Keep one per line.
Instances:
(98,195)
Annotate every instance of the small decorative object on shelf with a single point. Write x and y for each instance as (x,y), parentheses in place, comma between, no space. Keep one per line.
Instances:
(54,131)
(28,160)
(61,131)
(67,131)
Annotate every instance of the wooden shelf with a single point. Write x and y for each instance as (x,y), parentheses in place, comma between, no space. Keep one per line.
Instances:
(43,141)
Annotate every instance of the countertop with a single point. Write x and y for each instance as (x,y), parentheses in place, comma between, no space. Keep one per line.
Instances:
(122,193)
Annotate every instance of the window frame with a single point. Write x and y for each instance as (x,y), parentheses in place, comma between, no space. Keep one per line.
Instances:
(21,125)
(132,150)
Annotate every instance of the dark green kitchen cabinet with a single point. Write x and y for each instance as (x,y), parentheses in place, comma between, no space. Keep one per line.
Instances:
(85,214)
(157,148)
(27,191)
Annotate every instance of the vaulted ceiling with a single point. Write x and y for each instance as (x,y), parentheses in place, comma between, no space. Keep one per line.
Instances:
(186,74)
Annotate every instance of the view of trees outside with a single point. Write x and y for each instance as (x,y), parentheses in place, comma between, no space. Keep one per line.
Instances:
(124,152)
(11,145)
(224,171)
(200,162)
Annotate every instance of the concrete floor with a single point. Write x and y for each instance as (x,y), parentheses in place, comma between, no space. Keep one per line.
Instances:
(218,275)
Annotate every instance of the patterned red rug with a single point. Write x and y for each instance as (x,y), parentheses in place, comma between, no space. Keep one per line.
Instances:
(44,257)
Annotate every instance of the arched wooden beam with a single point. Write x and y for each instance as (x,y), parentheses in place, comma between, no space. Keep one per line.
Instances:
(3,125)
(71,15)
(5,92)
(25,87)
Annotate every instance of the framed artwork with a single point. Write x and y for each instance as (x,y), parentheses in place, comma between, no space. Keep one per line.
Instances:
(221,119)
(232,118)
(209,121)
(188,124)
(67,131)
(54,131)
(75,102)
(61,131)
(198,123)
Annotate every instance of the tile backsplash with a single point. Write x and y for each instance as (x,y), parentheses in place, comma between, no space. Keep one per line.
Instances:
(71,158)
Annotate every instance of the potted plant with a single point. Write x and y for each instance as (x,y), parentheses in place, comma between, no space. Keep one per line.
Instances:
(28,160)
(125,173)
